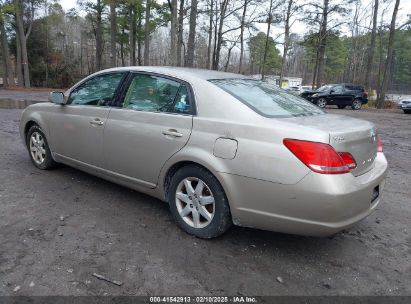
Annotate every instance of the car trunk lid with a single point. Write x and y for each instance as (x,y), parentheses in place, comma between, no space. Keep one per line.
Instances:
(346,134)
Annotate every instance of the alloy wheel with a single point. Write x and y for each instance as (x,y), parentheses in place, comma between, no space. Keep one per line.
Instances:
(356,104)
(321,103)
(37,148)
(195,202)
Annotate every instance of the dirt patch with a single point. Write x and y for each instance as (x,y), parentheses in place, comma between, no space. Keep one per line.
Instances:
(59,227)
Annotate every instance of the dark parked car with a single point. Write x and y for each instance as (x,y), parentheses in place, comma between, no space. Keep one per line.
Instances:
(341,95)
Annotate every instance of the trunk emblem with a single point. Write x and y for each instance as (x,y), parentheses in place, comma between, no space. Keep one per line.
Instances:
(339,138)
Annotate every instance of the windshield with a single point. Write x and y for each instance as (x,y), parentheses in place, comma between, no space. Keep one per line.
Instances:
(325,88)
(266,99)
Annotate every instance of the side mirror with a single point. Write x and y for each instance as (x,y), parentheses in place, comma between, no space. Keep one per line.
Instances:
(332,91)
(57,98)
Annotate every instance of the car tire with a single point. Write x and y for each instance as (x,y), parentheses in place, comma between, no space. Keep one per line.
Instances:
(356,104)
(39,149)
(198,202)
(341,107)
(407,111)
(322,102)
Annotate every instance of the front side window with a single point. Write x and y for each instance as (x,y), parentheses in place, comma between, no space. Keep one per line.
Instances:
(267,100)
(152,93)
(97,91)
(325,88)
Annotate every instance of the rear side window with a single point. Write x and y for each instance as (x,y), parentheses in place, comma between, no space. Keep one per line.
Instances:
(354,88)
(152,93)
(267,100)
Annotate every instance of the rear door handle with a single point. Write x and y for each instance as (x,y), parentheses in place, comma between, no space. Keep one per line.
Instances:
(96,122)
(173,133)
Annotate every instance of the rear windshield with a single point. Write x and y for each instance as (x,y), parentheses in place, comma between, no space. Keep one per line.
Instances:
(267,100)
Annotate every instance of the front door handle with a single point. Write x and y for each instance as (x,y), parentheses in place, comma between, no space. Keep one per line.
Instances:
(173,133)
(96,122)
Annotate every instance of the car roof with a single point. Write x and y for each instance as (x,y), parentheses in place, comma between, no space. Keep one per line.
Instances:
(179,72)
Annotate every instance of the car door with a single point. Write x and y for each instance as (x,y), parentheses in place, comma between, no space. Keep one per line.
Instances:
(336,95)
(153,123)
(77,128)
(349,94)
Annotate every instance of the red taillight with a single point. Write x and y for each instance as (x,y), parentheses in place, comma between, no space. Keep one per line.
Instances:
(349,160)
(379,144)
(320,157)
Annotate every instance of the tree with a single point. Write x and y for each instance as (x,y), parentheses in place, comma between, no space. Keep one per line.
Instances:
(240,65)
(189,61)
(147,33)
(173,32)
(267,38)
(372,45)
(8,78)
(95,12)
(113,33)
(390,51)
(324,14)
(291,9)
(180,29)
(22,36)
(259,48)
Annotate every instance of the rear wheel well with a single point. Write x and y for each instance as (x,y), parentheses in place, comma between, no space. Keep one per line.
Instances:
(174,168)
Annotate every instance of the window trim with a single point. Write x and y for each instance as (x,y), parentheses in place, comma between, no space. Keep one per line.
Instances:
(91,77)
(127,82)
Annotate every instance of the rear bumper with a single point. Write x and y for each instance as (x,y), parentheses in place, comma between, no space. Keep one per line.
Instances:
(318,205)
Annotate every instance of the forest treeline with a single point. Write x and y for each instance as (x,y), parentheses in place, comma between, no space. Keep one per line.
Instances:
(357,41)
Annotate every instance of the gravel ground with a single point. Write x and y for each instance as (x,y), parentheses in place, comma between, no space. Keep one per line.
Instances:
(59,227)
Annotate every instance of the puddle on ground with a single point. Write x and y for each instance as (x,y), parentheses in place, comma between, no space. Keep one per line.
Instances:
(16,104)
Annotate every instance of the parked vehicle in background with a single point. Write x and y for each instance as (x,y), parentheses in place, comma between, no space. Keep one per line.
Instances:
(306,88)
(220,148)
(341,95)
(294,90)
(405,105)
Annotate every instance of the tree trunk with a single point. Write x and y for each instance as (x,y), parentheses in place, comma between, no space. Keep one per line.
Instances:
(139,39)
(180,32)
(215,36)
(381,98)
(173,33)
(189,61)
(228,57)
(147,33)
(8,78)
(99,36)
(315,72)
(23,42)
(122,47)
(113,34)
(372,47)
(19,68)
(132,36)
(210,34)
(322,44)
(270,18)
(240,65)
(216,62)
(286,40)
